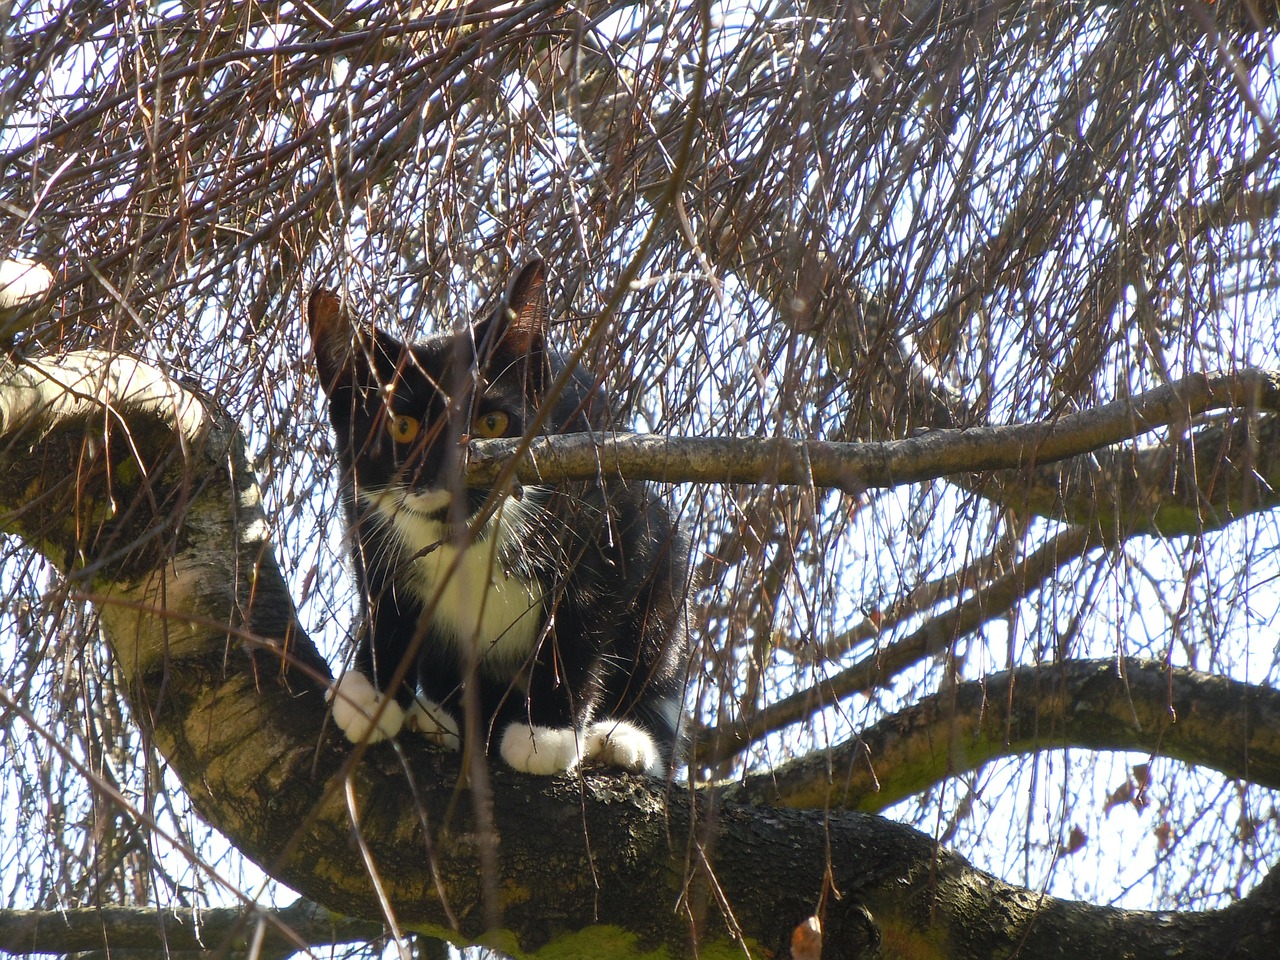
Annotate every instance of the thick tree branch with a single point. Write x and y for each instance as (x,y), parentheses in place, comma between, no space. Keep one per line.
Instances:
(128,482)
(1141,705)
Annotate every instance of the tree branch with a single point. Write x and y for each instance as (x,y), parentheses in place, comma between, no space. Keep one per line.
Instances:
(1199,481)
(854,467)
(1142,705)
(995,585)
(877,669)
(127,481)
(285,931)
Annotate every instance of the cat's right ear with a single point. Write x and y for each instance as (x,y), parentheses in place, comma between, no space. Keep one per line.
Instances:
(332,338)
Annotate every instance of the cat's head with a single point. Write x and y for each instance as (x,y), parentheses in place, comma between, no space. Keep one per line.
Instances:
(403,413)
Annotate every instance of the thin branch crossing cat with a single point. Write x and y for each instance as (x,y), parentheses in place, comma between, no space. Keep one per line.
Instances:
(557,614)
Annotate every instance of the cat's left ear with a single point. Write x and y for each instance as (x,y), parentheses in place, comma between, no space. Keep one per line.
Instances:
(526,310)
(517,330)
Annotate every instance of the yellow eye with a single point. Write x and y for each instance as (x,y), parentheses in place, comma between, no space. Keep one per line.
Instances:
(403,429)
(490,425)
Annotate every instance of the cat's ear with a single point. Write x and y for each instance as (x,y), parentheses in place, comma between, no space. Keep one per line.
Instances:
(526,310)
(515,334)
(332,338)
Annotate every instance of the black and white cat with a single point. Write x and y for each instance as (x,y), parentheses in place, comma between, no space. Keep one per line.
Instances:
(563,607)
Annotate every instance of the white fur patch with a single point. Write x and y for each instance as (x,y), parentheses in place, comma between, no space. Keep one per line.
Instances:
(476,602)
(541,750)
(429,719)
(618,743)
(355,701)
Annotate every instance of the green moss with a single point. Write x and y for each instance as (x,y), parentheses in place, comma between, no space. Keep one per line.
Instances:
(594,943)
(598,943)
(903,942)
(127,472)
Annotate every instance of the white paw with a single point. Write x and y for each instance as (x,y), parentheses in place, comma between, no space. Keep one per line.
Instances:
(618,743)
(428,718)
(355,702)
(542,750)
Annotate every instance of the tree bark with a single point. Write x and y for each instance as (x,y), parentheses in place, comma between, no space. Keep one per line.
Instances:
(138,491)
(1130,704)
(1217,475)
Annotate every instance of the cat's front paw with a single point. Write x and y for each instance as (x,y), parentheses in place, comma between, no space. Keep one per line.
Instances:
(429,719)
(617,743)
(541,750)
(355,702)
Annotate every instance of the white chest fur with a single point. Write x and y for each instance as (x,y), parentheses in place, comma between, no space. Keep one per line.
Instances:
(472,600)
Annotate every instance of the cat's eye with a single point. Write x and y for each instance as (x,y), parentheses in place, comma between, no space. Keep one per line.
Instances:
(403,429)
(489,425)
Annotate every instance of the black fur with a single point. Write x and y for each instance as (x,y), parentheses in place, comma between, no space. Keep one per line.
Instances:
(608,639)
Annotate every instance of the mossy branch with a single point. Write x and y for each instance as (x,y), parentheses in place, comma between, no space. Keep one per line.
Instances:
(1140,705)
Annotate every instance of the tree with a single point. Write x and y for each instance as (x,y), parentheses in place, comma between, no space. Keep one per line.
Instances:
(822,255)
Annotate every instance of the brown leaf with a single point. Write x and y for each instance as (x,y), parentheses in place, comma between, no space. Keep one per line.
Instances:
(806,940)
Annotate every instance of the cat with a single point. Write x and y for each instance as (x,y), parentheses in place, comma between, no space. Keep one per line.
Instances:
(562,608)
